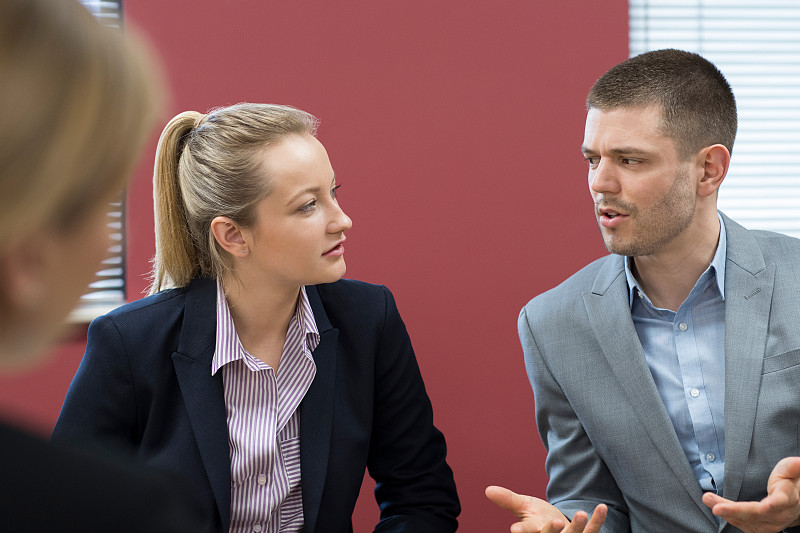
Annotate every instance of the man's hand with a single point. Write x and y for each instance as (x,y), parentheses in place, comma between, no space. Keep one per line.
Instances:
(538,516)
(778,510)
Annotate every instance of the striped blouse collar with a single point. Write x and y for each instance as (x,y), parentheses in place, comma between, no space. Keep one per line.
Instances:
(228,348)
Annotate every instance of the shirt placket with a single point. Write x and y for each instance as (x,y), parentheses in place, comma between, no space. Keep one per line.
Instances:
(696,395)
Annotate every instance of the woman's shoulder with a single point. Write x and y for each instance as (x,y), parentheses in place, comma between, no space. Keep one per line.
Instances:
(165,306)
(351,291)
(166,298)
(349,299)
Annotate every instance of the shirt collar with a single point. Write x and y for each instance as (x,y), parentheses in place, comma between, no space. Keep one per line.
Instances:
(228,348)
(717,266)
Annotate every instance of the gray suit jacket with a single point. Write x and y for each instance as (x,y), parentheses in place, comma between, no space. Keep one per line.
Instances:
(608,435)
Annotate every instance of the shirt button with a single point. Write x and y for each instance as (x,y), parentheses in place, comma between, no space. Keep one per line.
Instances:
(683,326)
(695,393)
(257,528)
(262,480)
(710,457)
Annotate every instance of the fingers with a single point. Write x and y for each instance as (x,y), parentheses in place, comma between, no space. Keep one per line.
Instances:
(578,523)
(581,523)
(597,520)
(554,526)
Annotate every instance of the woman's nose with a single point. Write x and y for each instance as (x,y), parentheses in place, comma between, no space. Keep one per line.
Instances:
(340,221)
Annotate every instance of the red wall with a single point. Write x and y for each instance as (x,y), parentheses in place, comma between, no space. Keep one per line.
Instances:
(454,128)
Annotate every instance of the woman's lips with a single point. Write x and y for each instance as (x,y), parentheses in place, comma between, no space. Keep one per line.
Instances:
(335,251)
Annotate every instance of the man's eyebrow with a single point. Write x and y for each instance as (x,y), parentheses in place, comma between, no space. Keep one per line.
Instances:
(622,150)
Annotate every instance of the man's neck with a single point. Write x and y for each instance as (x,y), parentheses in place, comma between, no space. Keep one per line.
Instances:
(668,276)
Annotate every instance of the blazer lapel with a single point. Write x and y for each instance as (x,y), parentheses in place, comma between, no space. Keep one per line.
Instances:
(203,393)
(608,308)
(316,414)
(748,297)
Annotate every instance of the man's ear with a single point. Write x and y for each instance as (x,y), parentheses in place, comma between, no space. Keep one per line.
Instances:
(230,236)
(715,160)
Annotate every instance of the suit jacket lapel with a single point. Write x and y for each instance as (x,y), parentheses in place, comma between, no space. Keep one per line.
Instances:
(748,296)
(203,393)
(608,308)
(316,414)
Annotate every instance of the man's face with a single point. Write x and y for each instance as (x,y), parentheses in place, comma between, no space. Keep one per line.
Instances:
(644,195)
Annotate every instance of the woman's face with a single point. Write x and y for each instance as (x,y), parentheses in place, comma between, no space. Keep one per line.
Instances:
(298,237)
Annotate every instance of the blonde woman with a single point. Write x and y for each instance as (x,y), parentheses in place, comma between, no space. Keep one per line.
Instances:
(253,369)
(76,102)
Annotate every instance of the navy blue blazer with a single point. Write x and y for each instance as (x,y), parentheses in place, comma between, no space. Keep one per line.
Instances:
(145,379)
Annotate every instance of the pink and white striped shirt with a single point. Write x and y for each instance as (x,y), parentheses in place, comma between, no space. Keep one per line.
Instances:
(263,429)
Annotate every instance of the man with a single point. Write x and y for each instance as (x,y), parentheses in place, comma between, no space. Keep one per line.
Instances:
(666,375)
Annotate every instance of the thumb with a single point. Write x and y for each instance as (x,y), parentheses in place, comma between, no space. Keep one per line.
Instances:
(505,498)
(788,467)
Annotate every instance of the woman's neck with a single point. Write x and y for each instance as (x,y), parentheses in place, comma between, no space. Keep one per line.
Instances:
(261,315)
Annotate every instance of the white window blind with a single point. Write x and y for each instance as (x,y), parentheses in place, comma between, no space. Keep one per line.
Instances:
(107,290)
(756,45)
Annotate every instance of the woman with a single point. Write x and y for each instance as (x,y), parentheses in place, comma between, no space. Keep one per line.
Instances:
(76,102)
(253,369)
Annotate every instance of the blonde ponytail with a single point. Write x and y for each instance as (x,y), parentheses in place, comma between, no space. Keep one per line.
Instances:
(175,262)
(208,166)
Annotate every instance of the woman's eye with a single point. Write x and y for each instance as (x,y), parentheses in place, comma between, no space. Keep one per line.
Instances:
(333,191)
(306,208)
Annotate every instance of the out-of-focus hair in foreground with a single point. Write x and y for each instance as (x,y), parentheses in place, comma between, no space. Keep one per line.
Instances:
(77,101)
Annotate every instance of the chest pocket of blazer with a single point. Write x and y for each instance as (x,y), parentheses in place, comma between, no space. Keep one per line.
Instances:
(781,361)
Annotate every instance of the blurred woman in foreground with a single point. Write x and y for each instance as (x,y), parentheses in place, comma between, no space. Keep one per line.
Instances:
(76,103)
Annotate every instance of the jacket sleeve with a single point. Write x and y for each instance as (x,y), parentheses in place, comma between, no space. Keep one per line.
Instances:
(99,417)
(415,488)
(100,405)
(579,479)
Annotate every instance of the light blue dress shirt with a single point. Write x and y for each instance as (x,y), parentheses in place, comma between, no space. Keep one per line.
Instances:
(685,351)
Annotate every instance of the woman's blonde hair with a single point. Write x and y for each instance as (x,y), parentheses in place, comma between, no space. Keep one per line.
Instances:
(77,101)
(209,166)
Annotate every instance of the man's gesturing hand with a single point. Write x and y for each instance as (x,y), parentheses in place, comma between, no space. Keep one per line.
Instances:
(538,516)
(778,510)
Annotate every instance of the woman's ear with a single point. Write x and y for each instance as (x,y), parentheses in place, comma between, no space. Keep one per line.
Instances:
(715,160)
(230,236)
(24,275)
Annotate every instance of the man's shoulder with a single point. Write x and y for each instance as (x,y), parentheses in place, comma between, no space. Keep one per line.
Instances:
(566,293)
(776,244)
(775,248)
